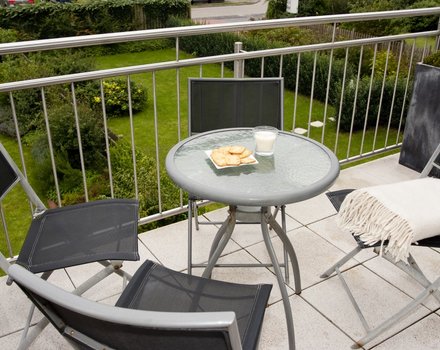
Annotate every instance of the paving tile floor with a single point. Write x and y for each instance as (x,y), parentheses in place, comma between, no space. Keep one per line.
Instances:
(323,317)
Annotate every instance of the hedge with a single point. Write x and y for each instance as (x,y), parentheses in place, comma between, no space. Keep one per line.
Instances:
(218,44)
(53,19)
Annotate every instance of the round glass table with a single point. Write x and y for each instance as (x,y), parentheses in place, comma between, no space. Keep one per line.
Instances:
(299,169)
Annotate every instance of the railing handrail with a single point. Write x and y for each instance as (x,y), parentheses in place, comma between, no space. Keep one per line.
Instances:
(149,34)
(106,73)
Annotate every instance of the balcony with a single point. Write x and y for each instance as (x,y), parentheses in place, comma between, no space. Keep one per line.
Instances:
(323,317)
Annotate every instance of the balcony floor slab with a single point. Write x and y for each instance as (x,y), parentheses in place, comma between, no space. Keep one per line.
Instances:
(323,317)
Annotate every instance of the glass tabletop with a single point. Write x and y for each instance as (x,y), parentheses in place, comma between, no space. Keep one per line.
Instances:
(300,168)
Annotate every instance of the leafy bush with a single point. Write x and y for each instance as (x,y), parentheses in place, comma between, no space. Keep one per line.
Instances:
(8,36)
(123,180)
(288,35)
(65,135)
(64,139)
(28,103)
(381,62)
(276,8)
(373,111)
(52,19)
(115,95)
(322,7)
(433,59)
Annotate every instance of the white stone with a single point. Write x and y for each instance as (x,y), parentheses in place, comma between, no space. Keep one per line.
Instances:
(317,124)
(300,131)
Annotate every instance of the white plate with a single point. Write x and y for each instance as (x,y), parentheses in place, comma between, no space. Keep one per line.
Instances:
(208,153)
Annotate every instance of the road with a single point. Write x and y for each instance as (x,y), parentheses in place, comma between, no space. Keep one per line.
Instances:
(233,13)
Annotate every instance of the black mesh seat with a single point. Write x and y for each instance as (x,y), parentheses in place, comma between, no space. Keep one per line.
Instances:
(159,309)
(79,234)
(102,231)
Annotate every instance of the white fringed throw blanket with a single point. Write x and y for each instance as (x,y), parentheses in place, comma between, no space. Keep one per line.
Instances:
(401,213)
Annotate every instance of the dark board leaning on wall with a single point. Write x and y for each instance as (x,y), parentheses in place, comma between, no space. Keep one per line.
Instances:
(422,129)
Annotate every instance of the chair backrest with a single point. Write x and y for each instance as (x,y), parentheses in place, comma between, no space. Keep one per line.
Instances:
(11,175)
(94,325)
(217,103)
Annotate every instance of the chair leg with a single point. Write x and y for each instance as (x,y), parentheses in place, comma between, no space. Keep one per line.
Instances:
(391,321)
(341,262)
(413,269)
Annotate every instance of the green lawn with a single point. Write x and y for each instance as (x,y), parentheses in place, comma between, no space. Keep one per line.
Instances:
(166,93)
(15,206)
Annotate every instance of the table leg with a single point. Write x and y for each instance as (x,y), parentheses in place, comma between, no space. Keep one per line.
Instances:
(269,219)
(286,255)
(190,212)
(220,240)
(287,309)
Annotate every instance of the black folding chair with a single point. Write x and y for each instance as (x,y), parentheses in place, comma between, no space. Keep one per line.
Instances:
(159,309)
(411,267)
(101,231)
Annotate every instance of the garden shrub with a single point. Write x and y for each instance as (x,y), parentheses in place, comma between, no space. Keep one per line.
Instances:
(115,94)
(276,9)
(123,181)
(65,139)
(53,19)
(362,98)
(433,59)
(28,103)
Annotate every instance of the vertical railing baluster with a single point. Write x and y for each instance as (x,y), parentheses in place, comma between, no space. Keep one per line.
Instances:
(341,101)
(327,92)
(405,95)
(262,67)
(353,115)
(424,50)
(51,151)
(177,48)
(156,139)
(394,94)
(311,94)
(379,110)
(107,144)
(298,64)
(367,110)
(20,144)
(133,144)
(5,228)
(179,121)
(78,133)
(280,75)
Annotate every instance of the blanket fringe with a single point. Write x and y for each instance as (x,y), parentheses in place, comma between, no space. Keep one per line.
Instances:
(379,225)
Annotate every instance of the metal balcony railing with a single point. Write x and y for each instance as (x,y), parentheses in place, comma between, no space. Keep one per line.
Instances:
(324,125)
